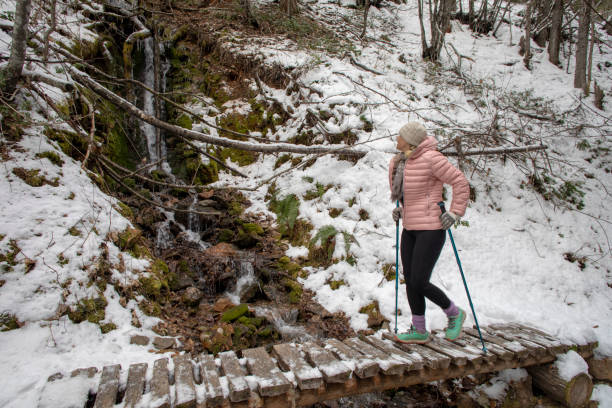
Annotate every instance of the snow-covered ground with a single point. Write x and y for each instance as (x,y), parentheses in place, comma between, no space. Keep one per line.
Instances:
(512,250)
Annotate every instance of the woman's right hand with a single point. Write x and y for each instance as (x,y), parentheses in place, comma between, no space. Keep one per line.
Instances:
(397,214)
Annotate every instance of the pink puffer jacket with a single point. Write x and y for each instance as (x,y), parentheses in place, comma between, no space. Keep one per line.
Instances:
(425,173)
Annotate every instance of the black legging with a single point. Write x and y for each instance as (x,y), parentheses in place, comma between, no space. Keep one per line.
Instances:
(420,251)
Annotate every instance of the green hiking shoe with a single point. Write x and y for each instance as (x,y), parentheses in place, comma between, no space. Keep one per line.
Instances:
(455,323)
(413,336)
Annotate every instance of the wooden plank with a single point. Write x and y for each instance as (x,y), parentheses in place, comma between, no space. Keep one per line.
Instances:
(210,380)
(364,367)
(135,385)
(333,370)
(535,349)
(389,365)
(238,387)
(184,384)
(476,355)
(416,362)
(537,336)
(493,348)
(289,358)
(459,355)
(515,347)
(270,380)
(466,343)
(108,388)
(160,385)
(432,359)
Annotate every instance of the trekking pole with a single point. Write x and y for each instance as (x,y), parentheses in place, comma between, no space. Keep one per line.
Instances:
(450,234)
(396,263)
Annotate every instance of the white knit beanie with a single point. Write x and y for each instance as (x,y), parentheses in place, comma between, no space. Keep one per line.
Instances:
(413,133)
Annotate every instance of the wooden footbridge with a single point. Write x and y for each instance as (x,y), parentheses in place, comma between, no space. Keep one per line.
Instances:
(291,375)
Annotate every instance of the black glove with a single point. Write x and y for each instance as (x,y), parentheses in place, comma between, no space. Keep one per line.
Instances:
(397,214)
(448,219)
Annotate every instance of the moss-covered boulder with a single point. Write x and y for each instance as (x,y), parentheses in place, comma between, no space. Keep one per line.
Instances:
(295,290)
(234,313)
(90,309)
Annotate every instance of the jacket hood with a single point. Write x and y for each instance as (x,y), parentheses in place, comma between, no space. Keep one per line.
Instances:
(430,143)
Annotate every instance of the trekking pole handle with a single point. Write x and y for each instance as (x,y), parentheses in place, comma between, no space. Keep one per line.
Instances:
(442,208)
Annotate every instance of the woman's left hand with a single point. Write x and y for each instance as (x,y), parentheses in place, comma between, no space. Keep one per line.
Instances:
(448,219)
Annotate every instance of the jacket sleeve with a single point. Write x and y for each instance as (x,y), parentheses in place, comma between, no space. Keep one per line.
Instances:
(449,174)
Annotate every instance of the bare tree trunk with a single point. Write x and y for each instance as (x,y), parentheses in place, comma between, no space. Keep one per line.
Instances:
(365,17)
(587,87)
(157,88)
(528,13)
(248,10)
(49,31)
(424,45)
(289,7)
(12,72)
(471,10)
(554,40)
(582,45)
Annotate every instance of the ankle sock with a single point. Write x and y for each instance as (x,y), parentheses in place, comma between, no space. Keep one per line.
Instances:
(452,310)
(418,321)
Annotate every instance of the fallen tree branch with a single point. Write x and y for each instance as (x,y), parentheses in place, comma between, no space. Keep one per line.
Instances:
(116,177)
(360,65)
(49,80)
(88,82)
(210,156)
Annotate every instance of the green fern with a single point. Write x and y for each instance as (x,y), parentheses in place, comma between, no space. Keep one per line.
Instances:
(286,211)
(324,234)
(348,240)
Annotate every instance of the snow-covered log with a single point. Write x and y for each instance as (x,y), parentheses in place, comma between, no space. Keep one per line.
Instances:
(574,392)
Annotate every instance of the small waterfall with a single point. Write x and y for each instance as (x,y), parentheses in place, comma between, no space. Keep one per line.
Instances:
(193,220)
(246,277)
(148,105)
(283,322)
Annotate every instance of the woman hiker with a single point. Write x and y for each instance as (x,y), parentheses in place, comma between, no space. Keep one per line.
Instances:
(416,177)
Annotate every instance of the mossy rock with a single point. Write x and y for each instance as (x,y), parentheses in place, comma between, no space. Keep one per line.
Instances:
(375,318)
(266,332)
(335,212)
(150,308)
(249,234)
(52,156)
(128,238)
(8,322)
(225,235)
(124,210)
(251,321)
(140,251)
(335,284)
(160,280)
(235,312)
(293,269)
(90,309)
(32,177)
(295,290)
(108,327)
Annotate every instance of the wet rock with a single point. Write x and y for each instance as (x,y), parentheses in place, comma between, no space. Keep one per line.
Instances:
(271,292)
(222,305)
(139,340)
(197,222)
(250,291)
(147,217)
(192,296)
(162,343)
